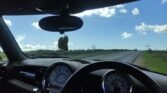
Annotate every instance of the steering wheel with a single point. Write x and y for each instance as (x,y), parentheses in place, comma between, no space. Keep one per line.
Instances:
(125,68)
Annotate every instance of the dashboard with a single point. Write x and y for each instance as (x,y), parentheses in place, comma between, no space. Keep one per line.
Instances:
(51,75)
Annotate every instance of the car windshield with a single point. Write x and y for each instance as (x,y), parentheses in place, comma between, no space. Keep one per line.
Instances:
(131,33)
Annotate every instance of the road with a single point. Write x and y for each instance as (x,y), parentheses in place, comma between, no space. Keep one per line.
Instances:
(122,56)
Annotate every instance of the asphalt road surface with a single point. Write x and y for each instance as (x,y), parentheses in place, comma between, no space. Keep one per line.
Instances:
(122,56)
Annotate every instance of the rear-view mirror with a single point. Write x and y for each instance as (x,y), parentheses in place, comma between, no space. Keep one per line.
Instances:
(60,23)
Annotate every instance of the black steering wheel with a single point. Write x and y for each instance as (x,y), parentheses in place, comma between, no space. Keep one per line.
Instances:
(125,68)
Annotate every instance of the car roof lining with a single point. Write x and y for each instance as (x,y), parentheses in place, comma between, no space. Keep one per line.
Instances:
(27,7)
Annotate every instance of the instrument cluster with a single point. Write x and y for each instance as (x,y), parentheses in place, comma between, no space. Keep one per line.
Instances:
(116,82)
(56,78)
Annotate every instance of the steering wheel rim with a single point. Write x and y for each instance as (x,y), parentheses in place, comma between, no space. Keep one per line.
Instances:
(127,68)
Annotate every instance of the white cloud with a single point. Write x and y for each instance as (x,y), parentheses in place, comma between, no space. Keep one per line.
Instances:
(103,12)
(70,44)
(36,25)
(135,11)
(8,22)
(55,43)
(126,35)
(29,47)
(164,1)
(143,28)
(53,46)
(20,38)
(1,49)
(119,6)
(123,11)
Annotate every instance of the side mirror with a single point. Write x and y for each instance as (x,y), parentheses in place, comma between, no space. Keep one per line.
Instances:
(60,23)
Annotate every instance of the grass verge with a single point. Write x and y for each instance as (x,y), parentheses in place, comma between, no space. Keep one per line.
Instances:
(155,61)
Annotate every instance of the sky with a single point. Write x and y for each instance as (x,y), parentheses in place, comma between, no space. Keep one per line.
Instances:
(127,26)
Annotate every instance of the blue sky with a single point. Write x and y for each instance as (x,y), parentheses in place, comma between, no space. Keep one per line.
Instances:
(128,26)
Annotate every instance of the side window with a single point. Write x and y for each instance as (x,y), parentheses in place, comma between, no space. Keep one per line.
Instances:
(2,55)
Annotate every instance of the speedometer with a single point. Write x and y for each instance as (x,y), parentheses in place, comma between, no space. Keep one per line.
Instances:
(57,76)
(116,82)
